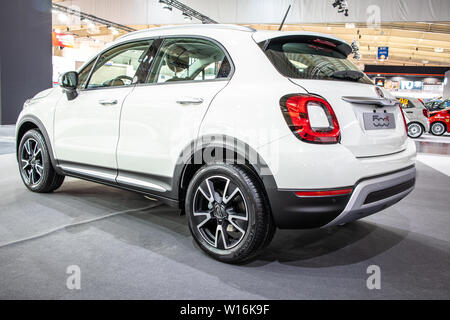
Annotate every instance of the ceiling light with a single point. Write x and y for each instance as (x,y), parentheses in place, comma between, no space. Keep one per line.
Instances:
(425,61)
(90,24)
(350,25)
(165,6)
(63,17)
(439,50)
(113,30)
(186,17)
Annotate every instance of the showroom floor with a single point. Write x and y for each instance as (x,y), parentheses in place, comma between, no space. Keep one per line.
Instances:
(128,247)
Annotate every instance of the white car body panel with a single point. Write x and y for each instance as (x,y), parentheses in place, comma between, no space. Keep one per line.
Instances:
(42,106)
(87,131)
(155,127)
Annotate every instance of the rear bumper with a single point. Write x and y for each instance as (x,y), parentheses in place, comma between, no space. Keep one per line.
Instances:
(368,197)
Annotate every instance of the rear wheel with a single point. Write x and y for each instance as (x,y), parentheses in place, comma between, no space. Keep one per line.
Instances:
(228,215)
(35,166)
(415,130)
(438,129)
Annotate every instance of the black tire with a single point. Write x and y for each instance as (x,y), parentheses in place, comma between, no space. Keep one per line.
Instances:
(438,129)
(35,167)
(415,130)
(233,246)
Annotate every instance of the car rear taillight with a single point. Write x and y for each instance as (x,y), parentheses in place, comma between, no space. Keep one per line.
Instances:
(311,118)
(425,112)
(404,119)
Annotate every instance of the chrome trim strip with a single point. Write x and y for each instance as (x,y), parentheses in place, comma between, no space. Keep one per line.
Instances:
(91,173)
(140,183)
(355,207)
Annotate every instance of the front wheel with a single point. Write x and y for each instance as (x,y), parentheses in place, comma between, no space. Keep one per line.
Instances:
(438,129)
(35,166)
(415,130)
(228,214)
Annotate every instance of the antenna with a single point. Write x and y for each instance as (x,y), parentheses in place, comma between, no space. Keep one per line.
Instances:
(284,19)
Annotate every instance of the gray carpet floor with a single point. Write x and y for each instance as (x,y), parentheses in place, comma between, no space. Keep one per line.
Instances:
(145,251)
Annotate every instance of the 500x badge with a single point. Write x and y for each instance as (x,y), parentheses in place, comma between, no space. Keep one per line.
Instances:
(379,121)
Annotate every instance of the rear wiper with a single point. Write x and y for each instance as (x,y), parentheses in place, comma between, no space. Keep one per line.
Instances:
(348,75)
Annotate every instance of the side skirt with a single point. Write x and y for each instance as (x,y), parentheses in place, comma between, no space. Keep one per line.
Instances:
(108,177)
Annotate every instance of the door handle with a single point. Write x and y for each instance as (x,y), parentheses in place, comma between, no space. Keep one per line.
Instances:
(185,101)
(108,102)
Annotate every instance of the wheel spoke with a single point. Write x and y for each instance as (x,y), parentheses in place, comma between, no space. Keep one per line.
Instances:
(27,164)
(234,224)
(219,230)
(209,198)
(27,147)
(31,176)
(234,215)
(227,199)
(214,195)
(38,152)
(39,170)
(35,150)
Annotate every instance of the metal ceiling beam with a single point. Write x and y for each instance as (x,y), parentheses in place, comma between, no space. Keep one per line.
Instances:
(188,11)
(91,17)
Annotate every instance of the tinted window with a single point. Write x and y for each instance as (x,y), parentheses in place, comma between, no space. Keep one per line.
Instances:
(185,59)
(118,67)
(312,58)
(406,103)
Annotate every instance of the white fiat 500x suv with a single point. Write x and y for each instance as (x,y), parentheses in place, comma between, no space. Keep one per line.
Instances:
(243,130)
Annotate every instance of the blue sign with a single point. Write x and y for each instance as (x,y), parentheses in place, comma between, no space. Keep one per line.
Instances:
(383,53)
(411,85)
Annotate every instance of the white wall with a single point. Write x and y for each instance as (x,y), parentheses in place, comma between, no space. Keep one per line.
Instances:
(266,11)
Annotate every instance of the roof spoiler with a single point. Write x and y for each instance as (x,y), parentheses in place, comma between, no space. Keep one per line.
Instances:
(380,102)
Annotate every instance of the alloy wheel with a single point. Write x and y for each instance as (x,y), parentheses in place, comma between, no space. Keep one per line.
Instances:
(32,162)
(438,129)
(414,130)
(220,212)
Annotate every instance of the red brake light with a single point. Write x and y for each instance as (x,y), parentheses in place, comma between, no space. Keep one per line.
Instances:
(404,119)
(296,112)
(425,112)
(324,193)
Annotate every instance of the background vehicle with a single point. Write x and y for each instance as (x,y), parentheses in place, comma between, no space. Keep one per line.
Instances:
(244,131)
(440,122)
(437,105)
(416,116)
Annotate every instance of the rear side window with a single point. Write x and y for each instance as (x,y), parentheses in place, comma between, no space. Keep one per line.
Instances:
(312,58)
(189,59)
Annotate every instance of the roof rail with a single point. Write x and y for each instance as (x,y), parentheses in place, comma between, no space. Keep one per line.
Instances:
(192,26)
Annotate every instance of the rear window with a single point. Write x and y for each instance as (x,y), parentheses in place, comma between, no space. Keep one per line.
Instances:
(407,103)
(312,58)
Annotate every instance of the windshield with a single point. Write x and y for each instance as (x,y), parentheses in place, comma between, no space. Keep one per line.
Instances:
(312,58)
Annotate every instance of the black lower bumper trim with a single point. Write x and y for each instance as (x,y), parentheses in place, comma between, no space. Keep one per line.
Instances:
(389,192)
(293,212)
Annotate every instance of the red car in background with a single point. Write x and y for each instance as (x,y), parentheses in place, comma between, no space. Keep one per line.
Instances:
(440,122)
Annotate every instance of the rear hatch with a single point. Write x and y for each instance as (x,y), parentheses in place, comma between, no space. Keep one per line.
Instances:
(370,119)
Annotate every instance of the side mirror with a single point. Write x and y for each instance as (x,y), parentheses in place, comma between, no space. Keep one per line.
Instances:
(69,82)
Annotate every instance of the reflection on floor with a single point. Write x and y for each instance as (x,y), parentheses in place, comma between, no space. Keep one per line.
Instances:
(145,251)
(434,145)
